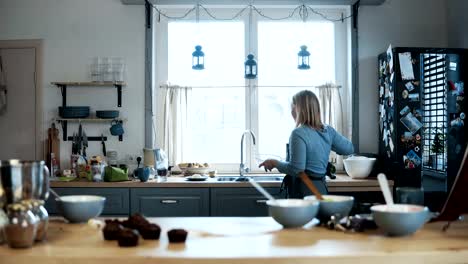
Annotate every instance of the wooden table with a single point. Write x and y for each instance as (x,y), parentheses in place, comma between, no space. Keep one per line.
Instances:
(246,240)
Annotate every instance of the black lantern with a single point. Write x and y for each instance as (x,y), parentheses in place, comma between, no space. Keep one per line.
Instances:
(303,59)
(198,58)
(250,67)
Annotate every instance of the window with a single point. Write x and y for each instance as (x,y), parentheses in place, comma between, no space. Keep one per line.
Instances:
(223,104)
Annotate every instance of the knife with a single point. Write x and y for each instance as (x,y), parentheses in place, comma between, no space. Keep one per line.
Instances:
(103,145)
(85,144)
(80,134)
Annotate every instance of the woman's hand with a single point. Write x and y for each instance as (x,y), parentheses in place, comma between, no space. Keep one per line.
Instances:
(269,164)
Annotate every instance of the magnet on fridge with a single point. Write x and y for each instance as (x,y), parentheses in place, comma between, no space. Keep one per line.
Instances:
(462,116)
(390,143)
(416,149)
(404,94)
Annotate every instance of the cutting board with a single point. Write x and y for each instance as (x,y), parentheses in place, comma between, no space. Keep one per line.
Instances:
(53,145)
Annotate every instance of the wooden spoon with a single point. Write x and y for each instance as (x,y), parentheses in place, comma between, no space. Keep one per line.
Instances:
(310,185)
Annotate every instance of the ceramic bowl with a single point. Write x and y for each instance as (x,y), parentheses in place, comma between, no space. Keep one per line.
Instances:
(359,167)
(292,213)
(80,208)
(400,219)
(339,205)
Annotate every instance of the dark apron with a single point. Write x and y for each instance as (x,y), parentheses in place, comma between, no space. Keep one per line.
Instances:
(293,187)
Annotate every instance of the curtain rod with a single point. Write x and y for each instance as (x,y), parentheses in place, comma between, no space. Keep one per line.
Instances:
(270,86)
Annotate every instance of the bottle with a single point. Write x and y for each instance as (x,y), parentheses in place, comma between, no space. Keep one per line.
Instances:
(162,165)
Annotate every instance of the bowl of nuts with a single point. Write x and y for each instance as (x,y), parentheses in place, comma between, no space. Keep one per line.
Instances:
(194,168)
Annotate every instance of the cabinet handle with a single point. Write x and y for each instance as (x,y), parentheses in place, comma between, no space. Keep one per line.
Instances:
(169,201)
(261,201)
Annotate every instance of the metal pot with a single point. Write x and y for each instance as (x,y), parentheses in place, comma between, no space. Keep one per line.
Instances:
(23,180)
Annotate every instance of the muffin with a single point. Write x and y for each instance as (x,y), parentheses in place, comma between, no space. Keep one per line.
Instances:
(150,231)
(128,238)
(177,235)
(136,221)
(112,230)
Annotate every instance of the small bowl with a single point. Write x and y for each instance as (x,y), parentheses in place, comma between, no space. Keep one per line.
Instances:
(400,219)
(339,205)
(359,167)
(292,213)
(80,208)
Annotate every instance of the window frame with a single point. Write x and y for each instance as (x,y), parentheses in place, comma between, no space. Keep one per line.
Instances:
(343,68)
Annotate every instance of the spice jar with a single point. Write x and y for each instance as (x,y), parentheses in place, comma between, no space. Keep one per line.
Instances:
(40,212)
(20,231)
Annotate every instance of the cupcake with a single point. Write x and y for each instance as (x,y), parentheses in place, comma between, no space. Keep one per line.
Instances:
(136,221)
(150,231)
(177,235)
(128,238)
(112,230)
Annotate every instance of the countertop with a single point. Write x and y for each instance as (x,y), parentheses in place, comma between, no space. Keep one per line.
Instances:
(245,240)
(342,183)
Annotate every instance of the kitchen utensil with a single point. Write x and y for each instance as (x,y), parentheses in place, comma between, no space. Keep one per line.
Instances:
(261,190)
(57,197)
(400,219)
(116,128)
(385,189)
(103,143)
(333,205)
(85,144)
(80,138)
(80,208)
(359,167)
(310,185)
(23,180)
(292,213)
(143,174)
(53,150)
(107,114)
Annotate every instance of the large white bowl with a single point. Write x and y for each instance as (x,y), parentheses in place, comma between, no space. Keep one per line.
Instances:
(359,167)
(293,212)
(400,219)
(80,208)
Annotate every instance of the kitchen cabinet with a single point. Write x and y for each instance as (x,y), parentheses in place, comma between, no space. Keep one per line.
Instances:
(117,199)
(240,201)
(170,201)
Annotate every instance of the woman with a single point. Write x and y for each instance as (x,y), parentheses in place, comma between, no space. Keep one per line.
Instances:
(310,144)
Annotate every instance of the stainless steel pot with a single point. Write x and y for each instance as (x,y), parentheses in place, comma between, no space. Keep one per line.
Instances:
(23,180)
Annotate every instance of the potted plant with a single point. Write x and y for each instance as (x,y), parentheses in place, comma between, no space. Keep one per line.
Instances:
(437,150)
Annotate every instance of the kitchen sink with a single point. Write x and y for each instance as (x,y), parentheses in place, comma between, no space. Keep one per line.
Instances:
(256,178)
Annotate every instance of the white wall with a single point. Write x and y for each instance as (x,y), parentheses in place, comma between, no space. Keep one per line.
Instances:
(74,32)
(457,21)
(404,23)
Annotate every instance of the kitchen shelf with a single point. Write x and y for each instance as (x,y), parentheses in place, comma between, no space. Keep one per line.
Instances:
(65,85)
(64,123)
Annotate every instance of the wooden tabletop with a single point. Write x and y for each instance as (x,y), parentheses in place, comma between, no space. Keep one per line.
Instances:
(245,240)
(342,183)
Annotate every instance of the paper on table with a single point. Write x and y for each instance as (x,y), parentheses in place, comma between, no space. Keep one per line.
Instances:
(406,67)
(390,58)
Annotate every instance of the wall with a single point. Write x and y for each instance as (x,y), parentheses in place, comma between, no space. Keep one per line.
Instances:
(73,33)
(457,19)
(404,23)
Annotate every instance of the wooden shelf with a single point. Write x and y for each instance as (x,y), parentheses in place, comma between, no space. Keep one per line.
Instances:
(89,84)
(92,119)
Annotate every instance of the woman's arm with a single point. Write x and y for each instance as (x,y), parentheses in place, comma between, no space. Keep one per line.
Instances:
(340,144)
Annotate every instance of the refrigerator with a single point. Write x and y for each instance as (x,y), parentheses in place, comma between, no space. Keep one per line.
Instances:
(422,130)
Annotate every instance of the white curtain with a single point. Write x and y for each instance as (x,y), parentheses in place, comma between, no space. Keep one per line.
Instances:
(332,114)
(173,121)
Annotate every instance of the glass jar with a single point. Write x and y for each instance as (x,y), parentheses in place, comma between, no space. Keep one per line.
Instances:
(21,228)
(41,213)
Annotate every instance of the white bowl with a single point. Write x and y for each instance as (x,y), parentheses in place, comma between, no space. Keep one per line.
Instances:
(339,205)
(292,213)
(80,208)
(359,167)
(400,219)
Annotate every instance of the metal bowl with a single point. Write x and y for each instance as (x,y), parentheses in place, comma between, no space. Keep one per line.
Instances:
(293,212)
(400,219)
(23,180)
(80,208)
(338,205)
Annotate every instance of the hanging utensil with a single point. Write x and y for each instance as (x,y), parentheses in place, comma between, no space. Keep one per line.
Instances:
(80,138)
(85,144)
(103,145)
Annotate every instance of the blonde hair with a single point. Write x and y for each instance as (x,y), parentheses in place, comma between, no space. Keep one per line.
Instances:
(307,109)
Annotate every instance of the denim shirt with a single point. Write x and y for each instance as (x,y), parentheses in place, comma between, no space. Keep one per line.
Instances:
(309,149)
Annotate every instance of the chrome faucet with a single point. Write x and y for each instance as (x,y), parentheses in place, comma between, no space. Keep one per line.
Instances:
(242,168)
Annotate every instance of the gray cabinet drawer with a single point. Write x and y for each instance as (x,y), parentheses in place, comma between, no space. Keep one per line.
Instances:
(170,201)
(117,199)
(240,201)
